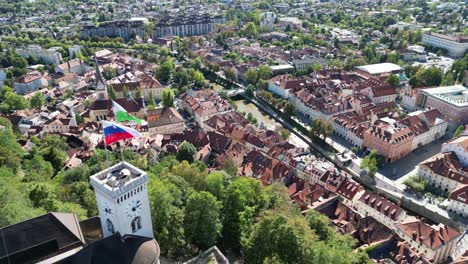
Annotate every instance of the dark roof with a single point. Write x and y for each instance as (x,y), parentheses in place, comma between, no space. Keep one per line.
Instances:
(116,249)
(167,116)
(130,105)
(40,238)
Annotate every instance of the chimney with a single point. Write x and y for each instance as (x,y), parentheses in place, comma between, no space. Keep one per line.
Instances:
(68,63)
(414,235)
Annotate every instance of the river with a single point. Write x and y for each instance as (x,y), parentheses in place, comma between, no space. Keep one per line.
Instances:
(266,120)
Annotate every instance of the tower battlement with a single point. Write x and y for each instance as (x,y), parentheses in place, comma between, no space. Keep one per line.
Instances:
(122,197)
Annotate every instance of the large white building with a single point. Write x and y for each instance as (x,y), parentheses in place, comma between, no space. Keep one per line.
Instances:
(448,170)
(451,101)
(268,20)
(427,126)
(122,198)
(180,26)
(460,147)
(455,45)
(126,29)
(437,243)
(459,201)
(49,56)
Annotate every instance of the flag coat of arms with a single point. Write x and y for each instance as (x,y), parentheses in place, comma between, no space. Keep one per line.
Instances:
(121,115)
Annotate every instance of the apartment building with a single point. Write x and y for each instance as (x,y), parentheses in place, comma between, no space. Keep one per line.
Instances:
(126,29)
(48,56)
(184,25)
(456,45)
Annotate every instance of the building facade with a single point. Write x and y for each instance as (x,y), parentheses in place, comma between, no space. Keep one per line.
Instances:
(455,45)
(126,29)
(49,56)
(451,101)
(386,212)
(391,139)
(186,25)
(437,243)
(122,198)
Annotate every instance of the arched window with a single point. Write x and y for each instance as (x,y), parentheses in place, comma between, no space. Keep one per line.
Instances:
(110,226)
(136,224)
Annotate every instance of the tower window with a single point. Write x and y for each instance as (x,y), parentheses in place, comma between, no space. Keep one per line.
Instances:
(136,224)
(110,226)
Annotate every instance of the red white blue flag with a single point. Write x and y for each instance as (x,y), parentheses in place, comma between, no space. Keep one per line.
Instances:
(114,132)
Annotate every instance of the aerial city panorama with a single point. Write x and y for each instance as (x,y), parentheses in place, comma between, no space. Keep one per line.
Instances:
(234,131)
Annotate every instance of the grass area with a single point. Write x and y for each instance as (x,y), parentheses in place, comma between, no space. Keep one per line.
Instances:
(416,183)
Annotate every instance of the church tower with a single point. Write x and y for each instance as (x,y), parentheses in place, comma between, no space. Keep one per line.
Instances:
(101,87)
(122,198)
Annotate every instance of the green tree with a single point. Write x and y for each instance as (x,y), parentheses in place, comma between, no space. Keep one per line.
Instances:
(186,152)
(458,131)
(370,162)
(6,123)
(202,219)
(320,224)
(193,173)
(165,71)
(249,30)
(138,93)
(56,156)
(37,169)
(244,198)
(12,101)
(215,184)
(81,193)
(264,72)
(320,129)
(289,240)
(125,92)
(289,109)
(230,167)
(393,80)
(250,91)
(37,101)
(15,206)
(167,216)
(416,183)
(109,72)
(168,97)
(111,92)
(152,103)
(251,76)
(230,74)
(197,78)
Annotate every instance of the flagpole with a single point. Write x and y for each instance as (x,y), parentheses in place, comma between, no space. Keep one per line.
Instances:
(105,146)
(121,151)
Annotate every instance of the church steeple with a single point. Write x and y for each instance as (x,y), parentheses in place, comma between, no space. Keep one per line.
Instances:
(101,87)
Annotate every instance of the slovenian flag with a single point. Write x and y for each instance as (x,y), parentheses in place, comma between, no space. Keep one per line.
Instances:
(114,132)
(121,114)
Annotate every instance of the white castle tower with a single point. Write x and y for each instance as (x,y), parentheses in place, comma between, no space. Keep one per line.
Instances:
(122,198)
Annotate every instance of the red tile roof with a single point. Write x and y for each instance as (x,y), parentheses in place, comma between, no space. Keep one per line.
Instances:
(460,194)
(447,165)
(431,236)
(381,204)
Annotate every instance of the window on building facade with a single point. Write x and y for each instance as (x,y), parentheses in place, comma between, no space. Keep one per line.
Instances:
(110,226)
(136,224)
